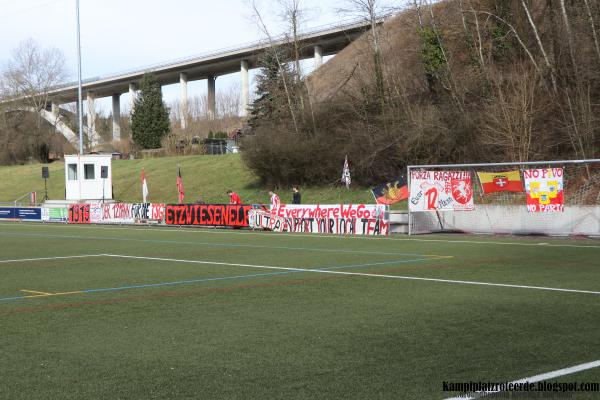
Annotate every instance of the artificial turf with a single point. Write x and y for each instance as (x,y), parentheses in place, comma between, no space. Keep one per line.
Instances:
(228,327)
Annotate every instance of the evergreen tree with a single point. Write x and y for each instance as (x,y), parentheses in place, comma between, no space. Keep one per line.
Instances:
(270,93)
(150,117)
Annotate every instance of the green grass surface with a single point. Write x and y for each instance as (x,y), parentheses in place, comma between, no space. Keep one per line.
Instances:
(227,326)
(205,177)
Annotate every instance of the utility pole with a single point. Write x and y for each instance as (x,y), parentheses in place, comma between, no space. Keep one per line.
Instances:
(79,100)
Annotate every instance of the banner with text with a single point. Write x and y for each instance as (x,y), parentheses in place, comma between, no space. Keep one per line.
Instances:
(22,213)
(235,215)
(341,219)
(54,214)
(115,213)
(441,191)
(544,188)
(126,213)
(79,214)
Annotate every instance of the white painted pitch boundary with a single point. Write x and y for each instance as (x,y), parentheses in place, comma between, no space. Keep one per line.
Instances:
(326,271)
(310,235)
(534,379)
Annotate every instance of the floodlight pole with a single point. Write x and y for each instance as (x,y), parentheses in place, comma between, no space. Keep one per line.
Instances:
(79,100)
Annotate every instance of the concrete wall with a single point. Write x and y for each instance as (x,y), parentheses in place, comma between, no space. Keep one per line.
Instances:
(575,220)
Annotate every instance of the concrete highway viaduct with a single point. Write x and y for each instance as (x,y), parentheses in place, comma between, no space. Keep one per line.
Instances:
(315,44)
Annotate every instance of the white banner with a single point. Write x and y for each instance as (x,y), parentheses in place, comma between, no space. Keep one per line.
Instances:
(341,219)
(441,191)
(125,213)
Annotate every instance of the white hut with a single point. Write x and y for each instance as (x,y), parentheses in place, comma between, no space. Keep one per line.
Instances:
(88,177)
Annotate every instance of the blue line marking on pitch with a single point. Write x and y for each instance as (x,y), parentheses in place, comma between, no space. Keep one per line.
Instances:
(207,244)
(191,281)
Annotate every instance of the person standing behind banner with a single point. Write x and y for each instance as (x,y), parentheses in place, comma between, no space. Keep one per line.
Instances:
(233,197)
(275,203)
(296,196)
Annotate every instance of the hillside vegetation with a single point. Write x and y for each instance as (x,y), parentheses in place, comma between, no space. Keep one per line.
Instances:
(459,81)
(205,178)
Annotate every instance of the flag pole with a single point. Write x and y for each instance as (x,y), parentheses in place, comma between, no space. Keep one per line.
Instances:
(373,193)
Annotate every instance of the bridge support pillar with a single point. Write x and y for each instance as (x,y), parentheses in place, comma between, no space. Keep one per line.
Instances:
(91,121)
(183,79)
(210,97)
(116,117)
(132,96)
(245,87)
(318,56)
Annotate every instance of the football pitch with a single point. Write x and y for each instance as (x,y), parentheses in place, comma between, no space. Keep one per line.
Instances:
(109,312)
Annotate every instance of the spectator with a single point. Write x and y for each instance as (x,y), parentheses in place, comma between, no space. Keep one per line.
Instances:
(233,197)
(296,196)
(275,203)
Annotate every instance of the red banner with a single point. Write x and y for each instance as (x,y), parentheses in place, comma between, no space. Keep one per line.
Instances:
(207,214)
(79,214)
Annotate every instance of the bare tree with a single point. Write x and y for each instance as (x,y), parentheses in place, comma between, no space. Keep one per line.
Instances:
(569,31)
(515,33)
(540,44)
(510,114)
(286,85)
(292,15)
(227,103)
(593,28)
(32,72)
(26,80)
(370,10)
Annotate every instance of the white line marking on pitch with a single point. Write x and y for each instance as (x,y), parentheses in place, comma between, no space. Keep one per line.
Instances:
(36,292)
(534,379)
(50,258)
(308,235)
(325,271)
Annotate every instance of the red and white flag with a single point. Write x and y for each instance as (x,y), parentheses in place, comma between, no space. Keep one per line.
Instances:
(180,186)
(144,188)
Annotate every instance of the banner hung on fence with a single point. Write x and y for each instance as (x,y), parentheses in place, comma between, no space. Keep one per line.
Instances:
(23,213)
(391,192)
(441,191)
(509,181)
(79,213)
(59,214)
(115,213)
(7,212)
(342,219)
(126,213)
(235,215)
(544,188)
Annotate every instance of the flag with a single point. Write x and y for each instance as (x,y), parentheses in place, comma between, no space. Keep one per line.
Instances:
(180,186)
(545,190)
(509,181)
(391,192)
(346,174)
(144,187)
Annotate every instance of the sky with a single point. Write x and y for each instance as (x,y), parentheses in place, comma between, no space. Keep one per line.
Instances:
(119,35)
